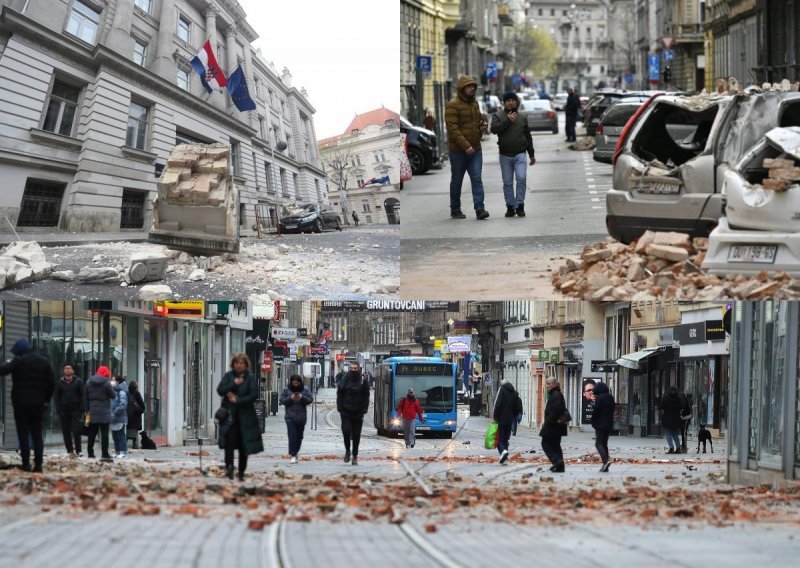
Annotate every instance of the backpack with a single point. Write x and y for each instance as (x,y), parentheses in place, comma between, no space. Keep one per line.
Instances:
(517,405)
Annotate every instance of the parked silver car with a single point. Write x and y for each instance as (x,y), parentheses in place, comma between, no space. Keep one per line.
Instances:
(559,101)
(673,159)
(610,127)
(540,115)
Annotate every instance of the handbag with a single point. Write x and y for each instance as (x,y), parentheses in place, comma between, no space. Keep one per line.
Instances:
(490,439)
(221,415)
(565,418)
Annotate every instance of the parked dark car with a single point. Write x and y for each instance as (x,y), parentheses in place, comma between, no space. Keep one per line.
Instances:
(423,150)
(610,127)
(311,217)
(599,103)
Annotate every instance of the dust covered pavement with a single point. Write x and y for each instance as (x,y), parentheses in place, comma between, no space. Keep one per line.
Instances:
(353,264)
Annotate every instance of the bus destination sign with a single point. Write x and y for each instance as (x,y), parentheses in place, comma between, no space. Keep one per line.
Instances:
(423,369)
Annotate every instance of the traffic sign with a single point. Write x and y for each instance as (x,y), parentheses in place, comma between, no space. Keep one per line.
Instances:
(669,55)
(266,366)
(667,41)
(424,63)
(491,70)
(437,353)
(654,64)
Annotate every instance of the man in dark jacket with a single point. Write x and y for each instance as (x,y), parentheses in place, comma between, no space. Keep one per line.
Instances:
(464,126)
(507,406)
(136,409)
(69,405)
(514,140)
(603,421)
(32,383)
(98,395)
(552,429)
(296,397)
(352,402)
(571,108)
(671,421)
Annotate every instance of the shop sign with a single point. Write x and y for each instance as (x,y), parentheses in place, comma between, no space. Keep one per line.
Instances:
(544,355)
(284,332)
(691,333)
(554,354)
(714,330)
(459,343)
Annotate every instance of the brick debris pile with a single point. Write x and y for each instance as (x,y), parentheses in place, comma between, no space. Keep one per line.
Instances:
(195,175)
(782,174)
(661,265)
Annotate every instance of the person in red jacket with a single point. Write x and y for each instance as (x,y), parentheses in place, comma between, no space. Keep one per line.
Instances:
(408,409)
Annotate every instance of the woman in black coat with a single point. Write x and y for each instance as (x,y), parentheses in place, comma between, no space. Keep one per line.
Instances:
(296,397)
(552,431)
(602,421)
(135,412)
(240,429)
(671,421)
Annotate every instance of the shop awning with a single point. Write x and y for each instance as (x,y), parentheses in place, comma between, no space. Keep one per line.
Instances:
(632,360)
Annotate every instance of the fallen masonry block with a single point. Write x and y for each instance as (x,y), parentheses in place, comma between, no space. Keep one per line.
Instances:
(152,292)
(667,252)
(92,275)
(64,275)
(776,184)
(146,266)
(589,256)
(673,239)
(197,275)
(775,163)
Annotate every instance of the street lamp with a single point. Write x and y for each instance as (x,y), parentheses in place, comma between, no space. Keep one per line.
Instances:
(281,147)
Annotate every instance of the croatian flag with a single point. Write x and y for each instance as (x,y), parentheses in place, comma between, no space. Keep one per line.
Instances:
(206,65)
(381,180)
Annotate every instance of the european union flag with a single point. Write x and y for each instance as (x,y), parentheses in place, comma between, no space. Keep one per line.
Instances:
(237,87)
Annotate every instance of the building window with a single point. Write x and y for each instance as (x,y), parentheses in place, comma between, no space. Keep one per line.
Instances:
(772,381)
(61,109)
(380,156)
(273,136)
(242,214)
(137,126)
(284,110)
(83,22)
(269,174)
(290,145)
(185,29)
(360,180)
(139,52)
(257,86)
(296,182)
(552,12)
(319,193)
(271,98)
(41,204)
(284,189)
(144,5)
(183,79)
(261,128)
(132,209)
(540,11)
(236,165)
(365,206)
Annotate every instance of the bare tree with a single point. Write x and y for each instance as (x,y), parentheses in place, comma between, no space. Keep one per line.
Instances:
(337,160)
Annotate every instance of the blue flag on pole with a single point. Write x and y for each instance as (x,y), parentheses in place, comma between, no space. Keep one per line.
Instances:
(237,87)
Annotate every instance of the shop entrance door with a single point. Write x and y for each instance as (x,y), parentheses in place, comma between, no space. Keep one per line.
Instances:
(153,394)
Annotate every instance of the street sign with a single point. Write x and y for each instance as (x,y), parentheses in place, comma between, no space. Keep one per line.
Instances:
(424,63)
(654,64)
(320,350)
(669,55)
(266,366)
(491,70)
(667,41)
(437,354)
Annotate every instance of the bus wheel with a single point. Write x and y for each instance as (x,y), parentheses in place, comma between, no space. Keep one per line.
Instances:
(449,435)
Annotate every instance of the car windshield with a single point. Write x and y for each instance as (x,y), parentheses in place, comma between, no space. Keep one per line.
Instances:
(754,117)
(310,208)
(618,115)
(435,393)
(536,104)
(674,134)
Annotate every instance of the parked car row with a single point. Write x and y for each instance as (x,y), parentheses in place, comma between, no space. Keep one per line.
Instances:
(423,148)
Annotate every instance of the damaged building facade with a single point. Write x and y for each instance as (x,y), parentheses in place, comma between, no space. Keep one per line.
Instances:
(178,359)
(97,93)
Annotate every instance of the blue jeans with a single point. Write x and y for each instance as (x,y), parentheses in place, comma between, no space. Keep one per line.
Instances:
(673,436)
(120,440)
(503,435)
(511,166)
(460,164)
(569,126)
(295,431)
(409,430)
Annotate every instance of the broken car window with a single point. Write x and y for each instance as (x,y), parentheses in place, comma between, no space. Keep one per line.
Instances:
(674,135)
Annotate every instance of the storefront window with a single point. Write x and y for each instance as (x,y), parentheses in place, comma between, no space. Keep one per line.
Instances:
(131,355)
(738,355)
(756,348)
(154,369)
(114,348)
(774,371)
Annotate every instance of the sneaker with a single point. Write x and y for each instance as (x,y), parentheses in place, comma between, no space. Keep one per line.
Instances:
(481,214)
(355,460)
(412,445)
(347,456)
(605,467)
(293,460)
(457,215)
(37,469)
(521,210)
(504,456)
(122,456)
(671,451)
(510,211)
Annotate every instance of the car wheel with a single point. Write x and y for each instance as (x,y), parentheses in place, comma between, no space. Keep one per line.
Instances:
(555,131)
(417,161)
(318,225)
(338,224)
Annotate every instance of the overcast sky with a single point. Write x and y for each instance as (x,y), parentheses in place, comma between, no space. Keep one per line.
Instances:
(346,53)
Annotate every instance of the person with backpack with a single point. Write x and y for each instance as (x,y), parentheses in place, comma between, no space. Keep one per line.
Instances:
(507,406)
(602,421)
(135,413)
(352,402)
(119,416)
(555,423)
(296,398)
(408,409)
(68,399)
(32,384)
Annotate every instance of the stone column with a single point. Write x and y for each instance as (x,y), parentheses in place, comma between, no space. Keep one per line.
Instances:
(119,37)
(216,98)
(164,65)
(231,46)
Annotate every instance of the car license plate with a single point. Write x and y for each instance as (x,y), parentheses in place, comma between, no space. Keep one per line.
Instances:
(657,187)
(423,427)
(290,227)
(753,253)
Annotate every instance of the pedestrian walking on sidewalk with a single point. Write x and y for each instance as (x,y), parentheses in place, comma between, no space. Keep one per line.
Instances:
(352,402)
(240,431)
(355,218)
(671,421)
(135,413)
(408,409)
(686,417)
(464,127)
(515,141)
(602,420)
(507,406)
(68,399)
(119,416)
(553,428)
(571,108)
(98,395)
(296,397)
(32,384)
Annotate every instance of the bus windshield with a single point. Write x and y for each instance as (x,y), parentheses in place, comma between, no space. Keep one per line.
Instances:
(435,393)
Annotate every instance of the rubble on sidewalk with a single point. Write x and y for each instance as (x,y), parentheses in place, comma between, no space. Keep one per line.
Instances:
(153,292)
(661,265)
(583,143)
(23,261)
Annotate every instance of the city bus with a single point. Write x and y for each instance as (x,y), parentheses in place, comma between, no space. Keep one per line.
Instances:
(434,382)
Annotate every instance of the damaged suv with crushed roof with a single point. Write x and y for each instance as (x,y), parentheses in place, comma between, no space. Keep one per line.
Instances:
(671,161)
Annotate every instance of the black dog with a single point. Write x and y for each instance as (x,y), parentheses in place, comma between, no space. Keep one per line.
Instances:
(148,444)
(704,436)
